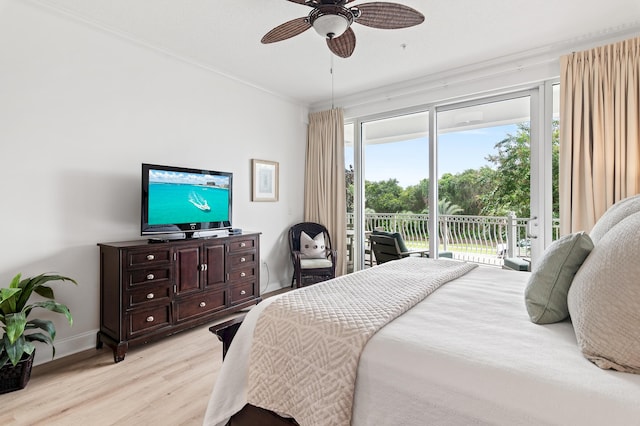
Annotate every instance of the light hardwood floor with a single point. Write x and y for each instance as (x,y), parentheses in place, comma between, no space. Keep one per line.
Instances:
(162,383)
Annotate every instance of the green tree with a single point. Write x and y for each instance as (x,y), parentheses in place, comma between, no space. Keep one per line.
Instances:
(555,167)
(349,180)
(384,196)
(465,189)
(415,198)
(447,208)
(511,186)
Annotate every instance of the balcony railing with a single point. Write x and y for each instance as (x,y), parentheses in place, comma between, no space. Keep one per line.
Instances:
(480,239)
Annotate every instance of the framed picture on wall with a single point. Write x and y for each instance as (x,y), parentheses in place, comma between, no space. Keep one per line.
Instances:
(265,180)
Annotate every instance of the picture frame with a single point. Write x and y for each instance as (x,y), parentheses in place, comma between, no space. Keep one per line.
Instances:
(265,180)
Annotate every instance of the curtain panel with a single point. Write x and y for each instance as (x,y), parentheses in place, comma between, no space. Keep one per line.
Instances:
(599,132)
(324,195)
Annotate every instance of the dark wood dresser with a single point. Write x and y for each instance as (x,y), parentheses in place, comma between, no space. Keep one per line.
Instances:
(152,290)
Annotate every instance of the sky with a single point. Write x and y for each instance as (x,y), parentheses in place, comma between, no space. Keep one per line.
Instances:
(408,161)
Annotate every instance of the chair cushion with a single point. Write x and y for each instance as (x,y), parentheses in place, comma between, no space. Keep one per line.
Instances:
(315,263)
(312,248)
(516,263)
(546,292)
(397,236)
(613,215)
(604,299)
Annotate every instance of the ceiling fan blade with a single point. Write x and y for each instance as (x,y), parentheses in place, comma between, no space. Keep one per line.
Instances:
(344,45)
(316,2)
(286,30)
(388,16)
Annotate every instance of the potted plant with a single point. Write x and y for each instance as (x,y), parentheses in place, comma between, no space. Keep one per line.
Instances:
(20,331)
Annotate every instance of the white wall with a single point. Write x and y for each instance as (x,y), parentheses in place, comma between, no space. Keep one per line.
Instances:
(80,110)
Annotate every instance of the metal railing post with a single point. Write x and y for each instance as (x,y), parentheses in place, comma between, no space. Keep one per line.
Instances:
(512,234)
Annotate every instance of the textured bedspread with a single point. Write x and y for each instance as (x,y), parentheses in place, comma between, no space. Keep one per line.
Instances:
(467,354)
(307,343)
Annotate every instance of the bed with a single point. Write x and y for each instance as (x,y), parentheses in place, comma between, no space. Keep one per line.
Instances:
(469,353)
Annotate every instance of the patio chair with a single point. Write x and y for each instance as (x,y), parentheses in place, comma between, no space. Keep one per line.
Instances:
(317,261)
(386,247)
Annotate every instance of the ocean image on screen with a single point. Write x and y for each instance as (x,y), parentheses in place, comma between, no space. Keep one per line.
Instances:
(177,197)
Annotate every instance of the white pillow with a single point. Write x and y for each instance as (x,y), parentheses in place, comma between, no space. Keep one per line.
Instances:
(613,215)
(604,299)
(312,248)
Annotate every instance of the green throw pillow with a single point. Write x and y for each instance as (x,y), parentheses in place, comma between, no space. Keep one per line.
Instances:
(397,237)
(546,292)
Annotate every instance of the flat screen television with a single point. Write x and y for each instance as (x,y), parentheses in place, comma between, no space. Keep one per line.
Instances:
(184,203)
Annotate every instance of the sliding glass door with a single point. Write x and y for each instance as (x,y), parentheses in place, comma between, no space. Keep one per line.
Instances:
(485,180)
(390,173)
(479,186)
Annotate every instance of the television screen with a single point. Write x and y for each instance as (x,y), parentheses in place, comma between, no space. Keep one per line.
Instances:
(178,199)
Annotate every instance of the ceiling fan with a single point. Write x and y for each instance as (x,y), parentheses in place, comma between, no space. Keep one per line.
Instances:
(332,19)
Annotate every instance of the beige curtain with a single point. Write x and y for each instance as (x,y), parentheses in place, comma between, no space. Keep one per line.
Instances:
(599,131)
(324,195)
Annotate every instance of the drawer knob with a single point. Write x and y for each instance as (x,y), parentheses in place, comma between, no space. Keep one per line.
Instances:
(150,276)
(243,292)
(150,257)
(242,274)
(243,245)
(150,296)
(150,318)
(242,259)
(202,304)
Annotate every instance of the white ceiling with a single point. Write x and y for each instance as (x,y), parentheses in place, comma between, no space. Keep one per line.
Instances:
(224,36)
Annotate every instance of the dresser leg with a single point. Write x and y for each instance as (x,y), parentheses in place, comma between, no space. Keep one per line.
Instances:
(119,351)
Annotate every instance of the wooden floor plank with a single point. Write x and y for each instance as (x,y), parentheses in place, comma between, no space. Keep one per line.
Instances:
(162,383)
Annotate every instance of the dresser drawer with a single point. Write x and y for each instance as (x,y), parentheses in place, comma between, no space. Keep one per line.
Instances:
(242,244)
(149,276)
(240,260)
(244,291)
(146,320)
(149,296)
(242,274)
(195,306)
(148,257)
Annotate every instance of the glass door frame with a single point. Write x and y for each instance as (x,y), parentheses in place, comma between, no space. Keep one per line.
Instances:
(358,177)
(541,119)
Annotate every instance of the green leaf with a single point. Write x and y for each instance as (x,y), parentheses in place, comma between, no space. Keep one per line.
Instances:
(8,299)
(45,325)
(4,358)
(14,326)
(17,349)
(54,307)
(44,291)
(15,281)
(30,285)
(40,337)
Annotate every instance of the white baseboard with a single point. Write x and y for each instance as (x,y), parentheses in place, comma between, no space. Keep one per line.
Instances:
(274,287)
(65,347)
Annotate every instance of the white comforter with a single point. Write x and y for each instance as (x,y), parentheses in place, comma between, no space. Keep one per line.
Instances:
(467,354)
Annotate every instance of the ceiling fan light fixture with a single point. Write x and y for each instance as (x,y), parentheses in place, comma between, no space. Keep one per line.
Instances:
(331,26)
(330,21)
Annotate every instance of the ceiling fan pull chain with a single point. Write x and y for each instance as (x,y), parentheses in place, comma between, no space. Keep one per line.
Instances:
(331,71)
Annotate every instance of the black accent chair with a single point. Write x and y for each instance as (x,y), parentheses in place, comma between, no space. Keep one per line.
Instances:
(386,248)
(311,270)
